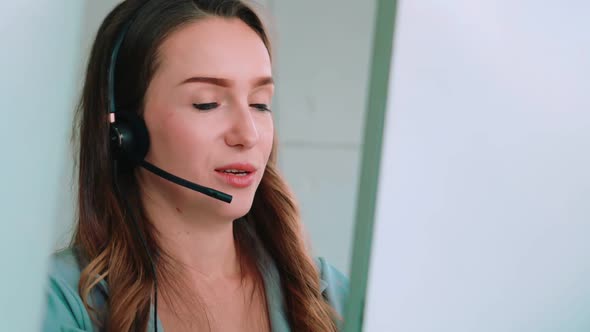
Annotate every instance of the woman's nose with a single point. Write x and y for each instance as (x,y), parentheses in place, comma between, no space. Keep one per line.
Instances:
(243,130)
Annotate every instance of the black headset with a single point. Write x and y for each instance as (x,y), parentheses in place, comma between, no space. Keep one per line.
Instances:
(128,134)
(129,143)
(129,138)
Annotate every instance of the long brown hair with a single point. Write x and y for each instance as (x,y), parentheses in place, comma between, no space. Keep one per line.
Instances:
(106,241)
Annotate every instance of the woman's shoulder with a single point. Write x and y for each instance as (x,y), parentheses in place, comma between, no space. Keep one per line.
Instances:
(64,266)
(334,285)
(64,308)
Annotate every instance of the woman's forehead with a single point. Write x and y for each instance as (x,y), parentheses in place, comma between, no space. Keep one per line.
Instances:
(217,47)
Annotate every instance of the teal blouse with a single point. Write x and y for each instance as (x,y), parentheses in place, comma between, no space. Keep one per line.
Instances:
(65,312)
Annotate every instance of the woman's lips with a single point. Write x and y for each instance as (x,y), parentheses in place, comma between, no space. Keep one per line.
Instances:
(237,180)
(247,167)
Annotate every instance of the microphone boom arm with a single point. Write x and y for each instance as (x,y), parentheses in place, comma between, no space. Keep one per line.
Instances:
(187,184)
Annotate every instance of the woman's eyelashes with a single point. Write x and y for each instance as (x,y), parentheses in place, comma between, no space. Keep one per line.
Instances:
(262,107)
(206,106)
(210,106)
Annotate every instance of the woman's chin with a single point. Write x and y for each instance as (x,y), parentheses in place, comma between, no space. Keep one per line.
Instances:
(234,210)
(236,214)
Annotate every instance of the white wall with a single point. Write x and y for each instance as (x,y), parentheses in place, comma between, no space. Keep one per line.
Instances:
(483,213)
(39,50)
(323,53)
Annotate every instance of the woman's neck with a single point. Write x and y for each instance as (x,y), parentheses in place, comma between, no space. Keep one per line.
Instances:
(203,245)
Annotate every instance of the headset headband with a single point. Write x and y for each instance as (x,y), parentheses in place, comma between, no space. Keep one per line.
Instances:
(111,73)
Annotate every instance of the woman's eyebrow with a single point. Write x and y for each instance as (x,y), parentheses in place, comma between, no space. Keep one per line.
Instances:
(226,83)
(267,80)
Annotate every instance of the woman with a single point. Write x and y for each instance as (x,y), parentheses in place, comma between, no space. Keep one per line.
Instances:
(148,254)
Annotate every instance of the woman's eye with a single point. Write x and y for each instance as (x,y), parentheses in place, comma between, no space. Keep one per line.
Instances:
(262,107)
(206,106)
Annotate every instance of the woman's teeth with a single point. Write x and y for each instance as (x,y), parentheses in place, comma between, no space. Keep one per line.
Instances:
(235,172)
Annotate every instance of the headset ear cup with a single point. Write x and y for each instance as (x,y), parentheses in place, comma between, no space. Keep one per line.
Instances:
(129,138)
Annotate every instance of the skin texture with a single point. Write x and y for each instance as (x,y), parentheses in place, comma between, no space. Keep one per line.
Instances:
(195,229)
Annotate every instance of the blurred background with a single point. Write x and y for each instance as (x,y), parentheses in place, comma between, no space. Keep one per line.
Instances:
(438,150)
(483,212)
